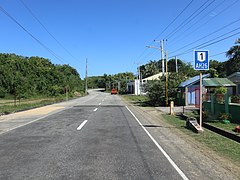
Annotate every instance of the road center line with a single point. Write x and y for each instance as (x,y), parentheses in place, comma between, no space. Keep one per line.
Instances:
(160,148)
(99,104)
(95,109)
(81,125)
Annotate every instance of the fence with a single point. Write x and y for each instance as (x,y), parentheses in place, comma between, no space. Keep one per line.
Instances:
(222,104)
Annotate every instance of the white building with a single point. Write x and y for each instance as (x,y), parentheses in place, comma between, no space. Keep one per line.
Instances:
(136,86)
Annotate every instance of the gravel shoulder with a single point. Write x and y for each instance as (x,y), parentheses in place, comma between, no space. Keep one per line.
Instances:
(195,159)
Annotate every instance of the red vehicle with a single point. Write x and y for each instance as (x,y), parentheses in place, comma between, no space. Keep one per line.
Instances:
(114,91)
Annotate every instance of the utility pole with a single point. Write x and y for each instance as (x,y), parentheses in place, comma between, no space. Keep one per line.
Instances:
(166,79)
(176,64)
(86,76)
(162,53)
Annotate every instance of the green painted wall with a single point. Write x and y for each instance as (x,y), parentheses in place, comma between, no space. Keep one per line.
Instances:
(234,110)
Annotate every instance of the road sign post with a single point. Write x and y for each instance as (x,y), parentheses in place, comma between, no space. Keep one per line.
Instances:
(201,62)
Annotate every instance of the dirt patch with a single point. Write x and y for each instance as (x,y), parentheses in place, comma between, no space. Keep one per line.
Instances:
(32,112)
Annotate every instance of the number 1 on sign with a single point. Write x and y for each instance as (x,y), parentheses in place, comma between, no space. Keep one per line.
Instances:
(201,56)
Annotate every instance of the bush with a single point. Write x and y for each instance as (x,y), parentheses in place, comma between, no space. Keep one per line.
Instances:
(235,99)
(224,116)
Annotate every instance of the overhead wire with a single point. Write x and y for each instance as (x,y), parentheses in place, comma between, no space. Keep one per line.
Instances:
(186,34)
(203,7)
(183,36)
(203,46)
(201,38)
(218,54)
(190,18)
(44,27)
(31,35)
(184,9)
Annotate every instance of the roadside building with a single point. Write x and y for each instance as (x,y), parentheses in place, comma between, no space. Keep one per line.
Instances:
(136,86)
(189,90)
(211,83)
(235,78)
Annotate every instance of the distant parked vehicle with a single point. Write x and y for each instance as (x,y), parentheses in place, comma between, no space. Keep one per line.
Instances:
(114,91)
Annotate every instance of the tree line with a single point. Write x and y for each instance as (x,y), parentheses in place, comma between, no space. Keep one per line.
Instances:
(25,77)
(108,81)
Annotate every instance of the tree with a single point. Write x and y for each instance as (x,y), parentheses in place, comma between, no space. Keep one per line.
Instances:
(233,64)
(149,69)
(33,76)
(234,52)
(157,88)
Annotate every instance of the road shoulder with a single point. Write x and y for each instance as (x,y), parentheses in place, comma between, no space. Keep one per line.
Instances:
(194,157)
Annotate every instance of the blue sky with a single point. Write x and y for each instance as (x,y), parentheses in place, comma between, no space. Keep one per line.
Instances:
(113,34)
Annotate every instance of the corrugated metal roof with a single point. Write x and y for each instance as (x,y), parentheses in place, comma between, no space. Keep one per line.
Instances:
(192,80)
(217,82)
(234,74)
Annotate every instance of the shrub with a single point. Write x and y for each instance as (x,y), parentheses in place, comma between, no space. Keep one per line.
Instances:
(225,116)
(235,99)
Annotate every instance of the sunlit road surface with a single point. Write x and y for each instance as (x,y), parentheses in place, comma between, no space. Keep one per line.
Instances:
(95,137)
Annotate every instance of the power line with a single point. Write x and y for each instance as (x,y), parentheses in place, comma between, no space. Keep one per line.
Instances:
(208,35)
(186,34)
(203,46)
(190,18)
(218,54)
(202,25)
(208,21)
(44,27)
(30,34)
(184,9)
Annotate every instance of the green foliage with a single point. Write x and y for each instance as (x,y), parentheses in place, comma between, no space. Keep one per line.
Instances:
(151,68)
(157,89)
(117,81)
(154,67)
(235,99)
(221,90)
(24,77)
(224,116)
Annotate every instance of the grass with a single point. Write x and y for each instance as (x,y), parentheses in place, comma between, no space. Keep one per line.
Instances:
(221,145)
(28,104)
(143,101)
(227,127)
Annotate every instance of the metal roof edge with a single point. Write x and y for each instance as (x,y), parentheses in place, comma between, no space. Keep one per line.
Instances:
(193,81)
(233,74)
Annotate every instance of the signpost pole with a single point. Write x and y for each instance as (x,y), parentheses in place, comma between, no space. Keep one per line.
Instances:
(201,62)
(200,99)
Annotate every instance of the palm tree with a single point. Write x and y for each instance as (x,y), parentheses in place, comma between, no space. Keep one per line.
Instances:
(233,64)
(234,52)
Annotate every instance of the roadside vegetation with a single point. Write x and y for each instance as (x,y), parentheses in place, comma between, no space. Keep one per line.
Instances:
(9,106)
(27,82)
(221,145)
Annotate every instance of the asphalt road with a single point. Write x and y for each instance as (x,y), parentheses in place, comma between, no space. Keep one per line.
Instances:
(95,137)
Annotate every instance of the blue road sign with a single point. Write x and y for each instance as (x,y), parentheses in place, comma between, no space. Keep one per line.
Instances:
(201,60)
